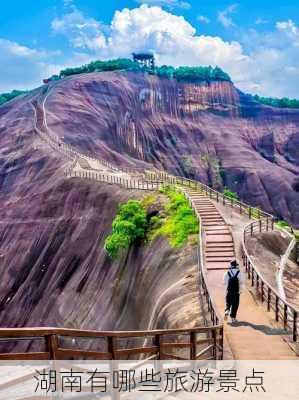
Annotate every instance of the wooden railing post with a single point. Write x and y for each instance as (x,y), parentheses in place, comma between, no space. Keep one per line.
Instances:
(214,350)
(157,343)
(192,345)
(276,308)
(269,299)
(295,317)
(52,346)
(260,223)
(111,347)
(285,316)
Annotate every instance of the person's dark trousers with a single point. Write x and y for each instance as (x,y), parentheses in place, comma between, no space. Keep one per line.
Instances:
(232,303)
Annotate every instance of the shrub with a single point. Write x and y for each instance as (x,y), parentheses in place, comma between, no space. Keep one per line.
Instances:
(230,194)
(180,221)
(128,226)
(181,74)
(275,102)
(4,97)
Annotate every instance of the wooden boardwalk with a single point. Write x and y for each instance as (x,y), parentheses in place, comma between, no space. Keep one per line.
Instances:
(253,336)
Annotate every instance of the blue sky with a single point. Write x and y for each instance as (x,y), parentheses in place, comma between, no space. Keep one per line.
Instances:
(256,42)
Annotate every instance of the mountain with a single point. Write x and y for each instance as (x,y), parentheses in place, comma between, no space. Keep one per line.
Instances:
(211,132)
(53,268)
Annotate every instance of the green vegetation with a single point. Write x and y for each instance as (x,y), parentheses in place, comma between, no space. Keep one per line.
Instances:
(230,194)
(274,102)
(281,224)
(200,74)
(179,222)
(132,224)
(181,74)
(99,66)
(128,226)
(4,97)
(256,212)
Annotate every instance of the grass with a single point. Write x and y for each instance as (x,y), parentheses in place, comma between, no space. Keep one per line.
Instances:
(133,223)
(230,194)
(179,221)
(286,226)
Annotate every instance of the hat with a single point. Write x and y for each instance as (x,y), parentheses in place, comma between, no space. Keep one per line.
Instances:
(234,264)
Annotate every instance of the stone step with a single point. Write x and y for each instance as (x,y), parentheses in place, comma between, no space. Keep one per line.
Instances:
(219,260)
(216,228)
(220,256)
(202,200)
(209,216)
(223,264)
(217,268)
(217,232)
(213,223)
(210,230)
(210,213)
(218,251)
(210,219)
(222,231)
(220,239)
(205,206)
(223,246)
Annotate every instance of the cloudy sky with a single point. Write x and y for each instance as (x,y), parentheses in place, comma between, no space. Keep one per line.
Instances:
(255,41)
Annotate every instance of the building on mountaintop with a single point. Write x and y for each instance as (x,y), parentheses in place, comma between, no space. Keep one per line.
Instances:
(146,60)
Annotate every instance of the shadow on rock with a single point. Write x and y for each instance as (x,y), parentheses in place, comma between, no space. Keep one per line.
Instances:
(267,330)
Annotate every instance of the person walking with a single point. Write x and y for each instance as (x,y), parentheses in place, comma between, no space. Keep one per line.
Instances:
(233,281)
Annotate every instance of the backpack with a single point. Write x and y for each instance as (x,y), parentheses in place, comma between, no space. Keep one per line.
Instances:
(233,283)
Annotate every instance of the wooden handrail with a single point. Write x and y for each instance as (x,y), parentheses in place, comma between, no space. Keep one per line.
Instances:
(250,211)
(54,347)
(282,308)
(43,331)
(215,315)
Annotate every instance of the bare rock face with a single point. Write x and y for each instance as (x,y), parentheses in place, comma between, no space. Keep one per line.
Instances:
(54,270)
(211,132)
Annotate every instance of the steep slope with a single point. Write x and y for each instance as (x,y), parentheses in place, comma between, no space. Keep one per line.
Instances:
(211,131)
(53,268)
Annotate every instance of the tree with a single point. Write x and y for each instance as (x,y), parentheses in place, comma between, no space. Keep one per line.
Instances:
(128,226)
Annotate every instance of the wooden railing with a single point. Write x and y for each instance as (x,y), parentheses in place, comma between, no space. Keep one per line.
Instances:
(243,208)
(283,310)
(126,182)
(216,318)
(199,343)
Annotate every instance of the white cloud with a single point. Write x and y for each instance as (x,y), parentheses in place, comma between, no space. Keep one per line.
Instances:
(203,19)
(290,29)
(225,16)
(267,67)
(83,32)
(171,4)
(260,21)
(267,63)
(22,67)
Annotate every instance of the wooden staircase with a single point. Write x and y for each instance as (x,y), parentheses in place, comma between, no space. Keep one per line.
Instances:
(219,244)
